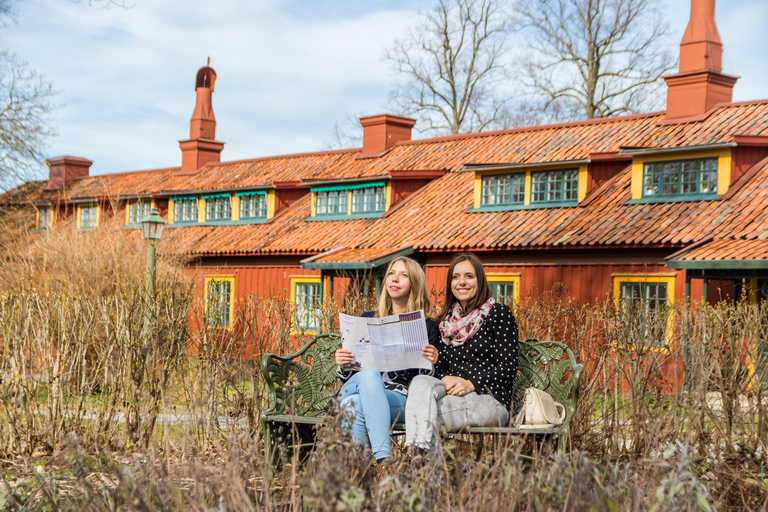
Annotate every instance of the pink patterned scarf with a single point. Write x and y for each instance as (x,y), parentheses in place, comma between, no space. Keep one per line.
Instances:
(456,329)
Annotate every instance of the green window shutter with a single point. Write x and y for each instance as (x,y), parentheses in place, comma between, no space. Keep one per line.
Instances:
(251,193)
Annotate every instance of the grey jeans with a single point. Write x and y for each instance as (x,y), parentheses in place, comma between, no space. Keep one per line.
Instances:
(428,407)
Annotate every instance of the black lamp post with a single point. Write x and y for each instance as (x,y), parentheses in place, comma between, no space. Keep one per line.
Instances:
(152,229)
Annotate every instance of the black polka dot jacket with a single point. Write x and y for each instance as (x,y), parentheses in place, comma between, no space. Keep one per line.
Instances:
(488,359)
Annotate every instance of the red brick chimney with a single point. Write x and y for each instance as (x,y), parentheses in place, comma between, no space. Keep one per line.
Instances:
(383,131)
(700,84)
(63,169)
(202,147)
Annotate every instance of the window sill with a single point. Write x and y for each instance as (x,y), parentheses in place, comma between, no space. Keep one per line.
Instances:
(262,220)
(537,206)
(344,216)
(677,198)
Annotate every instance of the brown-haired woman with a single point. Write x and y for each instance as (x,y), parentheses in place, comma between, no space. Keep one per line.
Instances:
(477,360)
(375,401)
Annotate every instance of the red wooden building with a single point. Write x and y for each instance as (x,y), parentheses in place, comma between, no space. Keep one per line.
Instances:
(654,206)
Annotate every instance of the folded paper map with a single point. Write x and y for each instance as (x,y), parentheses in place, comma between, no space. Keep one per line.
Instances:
(386,344)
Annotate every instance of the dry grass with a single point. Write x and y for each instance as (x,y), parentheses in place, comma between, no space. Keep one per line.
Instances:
(674,406)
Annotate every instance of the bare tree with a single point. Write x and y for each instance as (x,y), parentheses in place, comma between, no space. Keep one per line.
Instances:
(451,68)
(594,58)
(25,113)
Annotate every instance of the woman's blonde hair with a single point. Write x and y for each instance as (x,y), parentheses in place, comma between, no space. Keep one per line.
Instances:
(417,299)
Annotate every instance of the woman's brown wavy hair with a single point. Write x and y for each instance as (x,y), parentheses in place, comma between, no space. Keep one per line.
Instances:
(483,289)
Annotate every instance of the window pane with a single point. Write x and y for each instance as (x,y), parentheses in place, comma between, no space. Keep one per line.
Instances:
(539,187)
(503,189)
(488,191)
(381,199)
(218,303)
(343,201)
(646,300)
(322,203)
(555,186)
(671,178)
(517,188)
(571,185)
(503,292)
(357,200)
(308,306)
(652,184)
(45,219)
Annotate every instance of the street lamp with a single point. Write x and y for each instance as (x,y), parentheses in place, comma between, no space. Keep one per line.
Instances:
(152,229)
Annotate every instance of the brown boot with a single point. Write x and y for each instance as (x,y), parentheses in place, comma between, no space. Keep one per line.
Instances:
(383,470)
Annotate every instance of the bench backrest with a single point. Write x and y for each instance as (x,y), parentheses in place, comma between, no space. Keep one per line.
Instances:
(303,383)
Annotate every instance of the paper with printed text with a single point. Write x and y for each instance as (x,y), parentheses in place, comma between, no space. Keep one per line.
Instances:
(386,344)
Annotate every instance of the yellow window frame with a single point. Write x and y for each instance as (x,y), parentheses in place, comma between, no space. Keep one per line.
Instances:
(218,279)
(657,278)
(507,277)
(297,280)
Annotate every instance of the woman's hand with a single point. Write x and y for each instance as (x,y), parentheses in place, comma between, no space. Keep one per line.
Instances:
(430,352)
(344,356)
(457,386)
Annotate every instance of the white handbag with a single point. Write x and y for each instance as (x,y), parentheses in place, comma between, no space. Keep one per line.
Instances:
(539,411)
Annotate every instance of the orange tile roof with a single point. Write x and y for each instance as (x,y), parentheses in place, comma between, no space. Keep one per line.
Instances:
(436,218)
(728,249)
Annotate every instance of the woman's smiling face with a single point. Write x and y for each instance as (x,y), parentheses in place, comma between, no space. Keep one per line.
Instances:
(397,282)
(464,282)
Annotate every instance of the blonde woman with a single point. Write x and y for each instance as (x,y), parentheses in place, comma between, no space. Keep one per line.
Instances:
(373,400)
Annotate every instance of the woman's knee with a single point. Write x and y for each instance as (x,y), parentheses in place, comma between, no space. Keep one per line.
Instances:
(424,385)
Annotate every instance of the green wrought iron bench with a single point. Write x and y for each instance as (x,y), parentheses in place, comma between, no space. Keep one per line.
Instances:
(300,386)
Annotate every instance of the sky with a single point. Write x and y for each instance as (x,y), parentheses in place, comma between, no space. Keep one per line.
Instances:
(288,70)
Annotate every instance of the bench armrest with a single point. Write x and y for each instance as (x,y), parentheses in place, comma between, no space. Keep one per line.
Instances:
(304,382)
(549,366)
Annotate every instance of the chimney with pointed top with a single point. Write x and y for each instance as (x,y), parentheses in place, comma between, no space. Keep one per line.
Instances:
(700,84)
(202,147)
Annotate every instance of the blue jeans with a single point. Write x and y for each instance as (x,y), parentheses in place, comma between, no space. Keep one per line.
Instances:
(372,410)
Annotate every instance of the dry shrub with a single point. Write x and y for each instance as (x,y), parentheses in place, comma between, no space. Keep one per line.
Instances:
(340,476)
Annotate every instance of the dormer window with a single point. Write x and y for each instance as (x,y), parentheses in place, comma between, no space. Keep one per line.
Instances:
(87,217)
(680,177)
(561,187)
(253,205)
(679,174)
(218,207)
(349,201)
(137,210)
(184,209)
